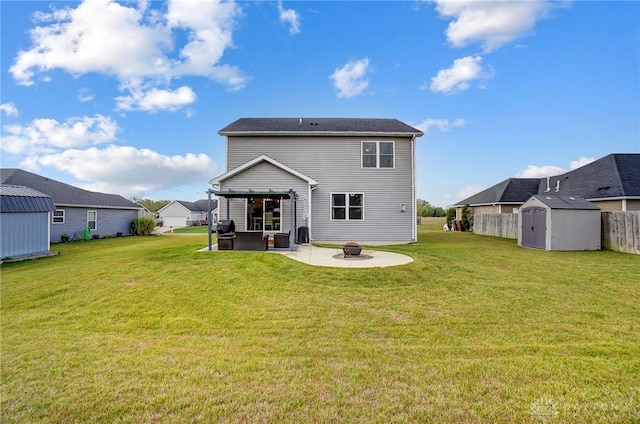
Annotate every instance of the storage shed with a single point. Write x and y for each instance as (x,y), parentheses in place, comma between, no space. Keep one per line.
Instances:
(554,222)
(24,221)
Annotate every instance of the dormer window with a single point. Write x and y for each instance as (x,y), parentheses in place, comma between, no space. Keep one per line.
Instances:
(378,154)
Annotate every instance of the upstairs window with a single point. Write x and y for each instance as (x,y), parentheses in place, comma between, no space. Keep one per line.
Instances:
(347,206)
(58,216)
(378,154)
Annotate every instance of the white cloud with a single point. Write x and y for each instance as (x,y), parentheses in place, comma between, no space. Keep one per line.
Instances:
(156,100)
(466,191)
(47,135)
(9,109)
(136,45)
(127,170)
(350,80)
(581,161)
(442,124)
(491,23)
(85,95)
(459,76)
(291,17)
(534,171)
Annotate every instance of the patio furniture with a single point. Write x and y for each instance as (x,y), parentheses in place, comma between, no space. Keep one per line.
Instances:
(281,240)
(251,240)
(268,220)
(226,234)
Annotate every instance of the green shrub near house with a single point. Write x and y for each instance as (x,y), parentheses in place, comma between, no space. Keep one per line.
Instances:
(475,330)
(143,226)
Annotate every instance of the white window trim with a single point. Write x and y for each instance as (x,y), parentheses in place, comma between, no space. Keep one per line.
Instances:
(53,216)
(393,143)
(96,220)
(346,215)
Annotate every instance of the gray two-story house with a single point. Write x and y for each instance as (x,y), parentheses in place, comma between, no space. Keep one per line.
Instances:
(343,179)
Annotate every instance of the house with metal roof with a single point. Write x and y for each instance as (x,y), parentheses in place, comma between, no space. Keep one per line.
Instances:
(327,179)
(77,209)
(24,222)
(612,183)
(180,213)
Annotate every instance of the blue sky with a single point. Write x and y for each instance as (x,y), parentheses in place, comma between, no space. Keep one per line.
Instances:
(128,97)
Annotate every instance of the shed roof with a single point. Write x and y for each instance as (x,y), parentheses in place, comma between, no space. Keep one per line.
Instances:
(565,202)
(64,194)
(319,126)
(14,199)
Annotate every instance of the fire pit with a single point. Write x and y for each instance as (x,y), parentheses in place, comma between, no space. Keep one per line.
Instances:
(351,249)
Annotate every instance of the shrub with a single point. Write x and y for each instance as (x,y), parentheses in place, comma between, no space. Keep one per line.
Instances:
(467,218)
(142,226)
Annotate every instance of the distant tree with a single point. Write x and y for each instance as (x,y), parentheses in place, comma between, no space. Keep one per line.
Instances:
(152,205)
(451,216)
(424,208)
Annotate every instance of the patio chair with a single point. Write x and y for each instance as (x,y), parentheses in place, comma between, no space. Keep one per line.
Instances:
(268,220)
(281,240)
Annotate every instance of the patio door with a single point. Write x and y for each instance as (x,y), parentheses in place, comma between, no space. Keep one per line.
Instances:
(263,214)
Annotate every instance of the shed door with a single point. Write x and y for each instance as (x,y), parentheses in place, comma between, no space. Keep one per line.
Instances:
(534,229)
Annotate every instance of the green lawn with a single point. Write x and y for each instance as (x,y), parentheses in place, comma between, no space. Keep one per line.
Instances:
(191,230)
(476,330)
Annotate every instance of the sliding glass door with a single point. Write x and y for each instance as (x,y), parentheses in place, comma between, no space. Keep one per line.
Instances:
(263,214)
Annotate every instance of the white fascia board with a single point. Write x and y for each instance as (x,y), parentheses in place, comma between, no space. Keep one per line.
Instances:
(262,158)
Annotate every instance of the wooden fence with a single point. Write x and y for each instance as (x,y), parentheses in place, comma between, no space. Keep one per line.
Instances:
(620,230)
(496,224)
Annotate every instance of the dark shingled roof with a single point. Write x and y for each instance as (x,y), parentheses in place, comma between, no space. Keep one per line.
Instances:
(14,199)
(64,194)
(565,202)
(201,205)
(315,126)
(511,190)
(613,176)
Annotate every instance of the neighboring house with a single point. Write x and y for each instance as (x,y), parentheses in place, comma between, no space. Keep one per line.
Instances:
(612,183)
(179,213)
(25,216)
(76,209)
(342,179)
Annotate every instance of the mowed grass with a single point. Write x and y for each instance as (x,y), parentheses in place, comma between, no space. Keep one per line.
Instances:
(475,330)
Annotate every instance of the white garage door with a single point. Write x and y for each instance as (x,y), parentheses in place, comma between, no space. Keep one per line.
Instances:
(174,221)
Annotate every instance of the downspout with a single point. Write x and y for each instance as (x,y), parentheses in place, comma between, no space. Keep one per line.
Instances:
(624,205)
(414,219)
(209,220)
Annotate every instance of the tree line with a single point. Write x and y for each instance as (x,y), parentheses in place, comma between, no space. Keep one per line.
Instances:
(424,208)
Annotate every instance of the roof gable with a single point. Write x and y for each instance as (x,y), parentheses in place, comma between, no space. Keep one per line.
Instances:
(64,194)
(259,159)
(315,126)
(511,190)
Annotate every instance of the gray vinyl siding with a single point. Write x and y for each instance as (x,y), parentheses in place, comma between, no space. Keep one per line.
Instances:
(110,222)
(335,162)
(264,176)
(24,234)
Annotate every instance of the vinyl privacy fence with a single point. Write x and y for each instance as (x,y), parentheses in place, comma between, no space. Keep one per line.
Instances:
(620,230)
